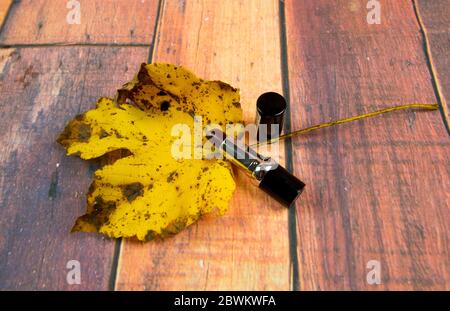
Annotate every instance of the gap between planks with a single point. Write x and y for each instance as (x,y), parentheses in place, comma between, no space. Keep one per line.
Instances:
(437,88)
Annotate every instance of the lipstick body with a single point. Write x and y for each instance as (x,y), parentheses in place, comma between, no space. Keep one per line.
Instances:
(271,176)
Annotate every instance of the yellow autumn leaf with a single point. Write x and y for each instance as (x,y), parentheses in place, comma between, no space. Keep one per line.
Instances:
(150,193)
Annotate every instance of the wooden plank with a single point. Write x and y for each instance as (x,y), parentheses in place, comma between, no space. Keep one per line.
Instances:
(377,189)
(4,7)
(248,248)
(101,21)
(42,191)
(434,17)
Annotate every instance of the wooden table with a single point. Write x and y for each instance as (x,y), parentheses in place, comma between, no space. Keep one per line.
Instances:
(377,189)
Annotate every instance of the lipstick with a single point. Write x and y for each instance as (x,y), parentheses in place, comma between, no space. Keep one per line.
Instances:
(272,178)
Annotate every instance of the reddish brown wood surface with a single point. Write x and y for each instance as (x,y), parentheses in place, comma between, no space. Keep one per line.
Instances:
(42,191)
(377,188)
(434,17)
(248,248)
(102,21)
(42,88)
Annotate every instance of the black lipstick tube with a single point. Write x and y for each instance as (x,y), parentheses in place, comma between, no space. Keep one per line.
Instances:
(272,177)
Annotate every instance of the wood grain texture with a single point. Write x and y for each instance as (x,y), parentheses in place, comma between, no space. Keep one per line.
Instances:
(377,189)
(4,7)
(42,191)
(248,248)
(102,21)
(435,21)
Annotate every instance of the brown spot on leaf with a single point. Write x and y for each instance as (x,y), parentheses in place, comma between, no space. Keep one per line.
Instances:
(101,210)
(172,176)
(83,132)
(151,235)
(161,93)
(173,228)
(165,105)
(103,134)
(133,190)
(146,103)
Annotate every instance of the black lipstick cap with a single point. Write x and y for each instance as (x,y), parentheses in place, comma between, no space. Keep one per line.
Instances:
(270,109)
(282,185)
